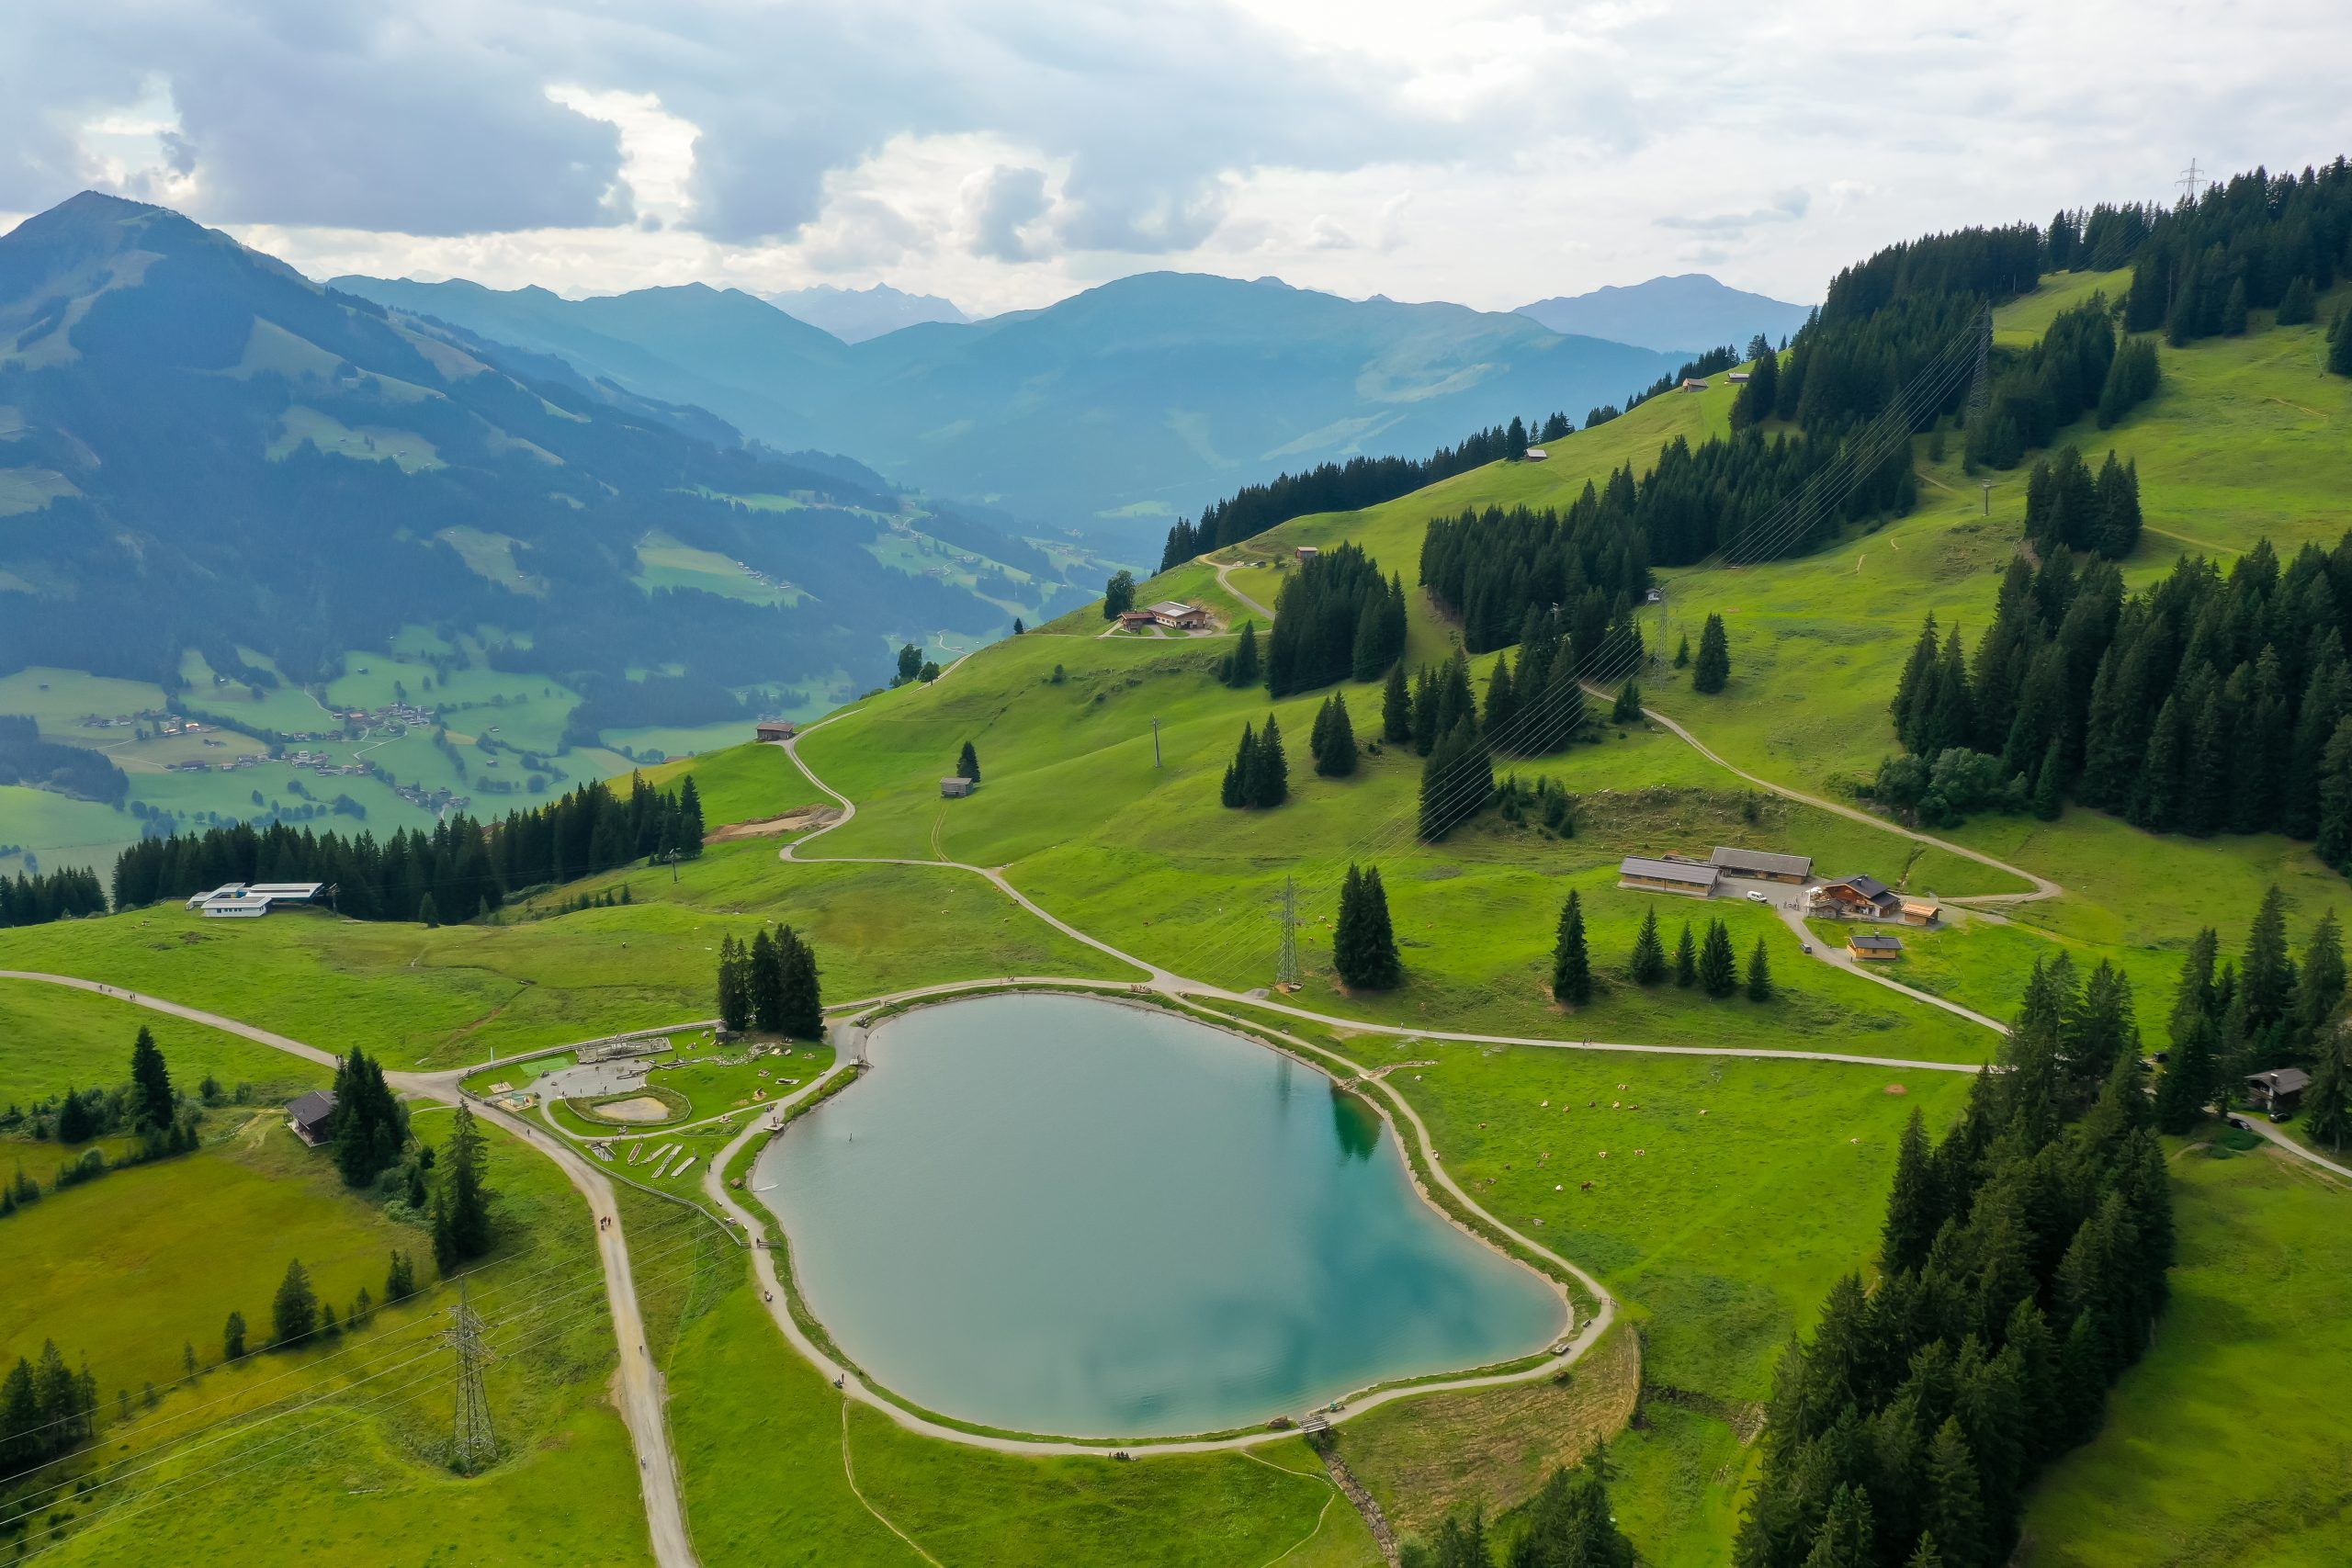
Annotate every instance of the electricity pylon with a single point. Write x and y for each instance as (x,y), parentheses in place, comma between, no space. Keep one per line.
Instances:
(1980,387)
(1286,958)
(475,1444)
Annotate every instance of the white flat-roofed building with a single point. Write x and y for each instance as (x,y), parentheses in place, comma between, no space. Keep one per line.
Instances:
(250,900)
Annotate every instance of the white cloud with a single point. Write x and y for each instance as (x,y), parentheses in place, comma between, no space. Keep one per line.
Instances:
(1005,152)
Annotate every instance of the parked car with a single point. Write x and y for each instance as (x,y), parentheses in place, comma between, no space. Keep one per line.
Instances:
(1756,897)
(1804,947)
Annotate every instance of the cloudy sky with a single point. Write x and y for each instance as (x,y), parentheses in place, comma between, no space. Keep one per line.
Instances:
(1008,154)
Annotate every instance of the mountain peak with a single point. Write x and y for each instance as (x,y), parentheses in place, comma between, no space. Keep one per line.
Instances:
(854,315)
(1681,313)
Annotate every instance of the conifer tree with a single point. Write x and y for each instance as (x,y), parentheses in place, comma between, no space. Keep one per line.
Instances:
(1682,652)
(1647,965)
(1915,1208)
(426,913)
(2327,1099)
(1711,670)
(2266,974)
(1396,708)
(1718,969)
(1234,793)
(802,1011)
(1686,959)
(1953,1503)
(155,1104)
(1502,706)
(462,1230)
(967,763)
(2339,345)
(1240,667)
(767,984)
(2234,311)
(400,1280)
(1363,943)
(734,985)
(294,1312)
(232,1338)
(1333,742)
(1269,773)
(1017,628)
(1571,962)
(2319,984)
(1759,974)
(2298,305)
(1628,708)
(689,819)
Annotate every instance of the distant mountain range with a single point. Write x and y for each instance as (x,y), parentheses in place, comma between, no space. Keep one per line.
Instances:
(199,449)
(1685,314)
(1110,412)
(854,315)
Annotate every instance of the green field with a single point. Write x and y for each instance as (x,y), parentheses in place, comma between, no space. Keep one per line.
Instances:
(53,1038)
(353,1419)
(447,995)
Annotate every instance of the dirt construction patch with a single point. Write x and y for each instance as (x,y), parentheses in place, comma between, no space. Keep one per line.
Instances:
(642,1108)
(798,819)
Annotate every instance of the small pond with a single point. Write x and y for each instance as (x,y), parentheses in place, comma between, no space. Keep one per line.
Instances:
(1058,1214)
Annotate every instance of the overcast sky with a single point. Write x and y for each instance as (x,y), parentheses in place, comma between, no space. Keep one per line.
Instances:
(1007,154)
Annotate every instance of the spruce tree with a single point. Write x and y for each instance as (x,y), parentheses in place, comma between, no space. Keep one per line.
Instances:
(294,1312)
(1234,793)
(1759,974)
(2233,312)
(1333,742)
(232,1338)
(1396,708)
(2319,984)
(399,1278)
(1718,968)
(2339,345)
(767,984)
(734,985)
(1502,706)
(1571,962)
(1686,959)
(2327,1099)
(2266,974)
(1952,1503)
(1628,708)
(1647,965)
(1682,652)
(1915,1208)
(462,1227)
(1711,670)
(1363,943)
(2298,305)
(1240,667)
(1269,777)
(154,1103)
(802,1013)
(967,763)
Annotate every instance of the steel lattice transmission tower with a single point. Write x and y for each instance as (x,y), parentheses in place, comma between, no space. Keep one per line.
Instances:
(1286,958)
(475,1444)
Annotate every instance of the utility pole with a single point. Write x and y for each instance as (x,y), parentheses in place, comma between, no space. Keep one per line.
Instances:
(1988,496)
(1286,958)
(476,1446)
(1155,743)
(2189,180)
(671,859)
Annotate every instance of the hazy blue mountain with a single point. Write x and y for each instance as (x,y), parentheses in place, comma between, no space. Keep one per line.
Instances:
(1680,315)
(200,449)
(1111,411)
(854,315)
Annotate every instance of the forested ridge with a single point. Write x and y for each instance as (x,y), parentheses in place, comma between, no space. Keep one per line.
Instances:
(458,869)
(2207,703)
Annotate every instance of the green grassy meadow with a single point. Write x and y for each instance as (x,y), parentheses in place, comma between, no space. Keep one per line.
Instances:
(53,1038)
(445,995)
(147,1259)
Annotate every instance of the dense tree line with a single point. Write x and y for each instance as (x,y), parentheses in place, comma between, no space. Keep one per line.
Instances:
(456,871)
(771,983)
(2266,1009)
(1535,709)
(47,1409)
(26,759)
(2021,1269)
(2245,242)
(1259,776)
(32,899)
(1335,619)
(2074,367)
(1339,487)
(2066,507)
(2204,704)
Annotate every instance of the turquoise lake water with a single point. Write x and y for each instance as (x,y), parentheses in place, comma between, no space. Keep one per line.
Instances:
(1062,1215)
